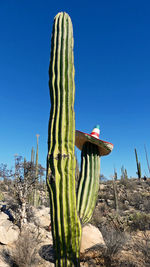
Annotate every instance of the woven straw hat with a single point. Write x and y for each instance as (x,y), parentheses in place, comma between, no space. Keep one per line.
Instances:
(104,147)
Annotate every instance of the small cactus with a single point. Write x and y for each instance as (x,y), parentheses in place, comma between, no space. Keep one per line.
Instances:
(115,191)
(147,158)
(138,165)
(32,155)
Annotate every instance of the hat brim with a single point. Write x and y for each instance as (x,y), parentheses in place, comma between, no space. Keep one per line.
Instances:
(104,147)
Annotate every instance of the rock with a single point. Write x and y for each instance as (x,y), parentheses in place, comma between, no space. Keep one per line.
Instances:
(41,217)
(42,221)
(42,211)
(141,207)
(91,237)
(47,264)
(3,217)
(8,231)
(102,186)
(45,235)
(3,264)
(110,202)
(126,202)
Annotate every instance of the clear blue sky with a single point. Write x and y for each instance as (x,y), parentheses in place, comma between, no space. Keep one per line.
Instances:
(112,76)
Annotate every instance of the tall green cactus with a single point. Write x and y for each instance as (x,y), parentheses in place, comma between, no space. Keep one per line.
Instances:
(32,155)
(88,181)
(138,165)
(66,228)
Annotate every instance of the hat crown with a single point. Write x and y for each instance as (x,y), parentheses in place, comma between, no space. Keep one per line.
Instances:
(96,132)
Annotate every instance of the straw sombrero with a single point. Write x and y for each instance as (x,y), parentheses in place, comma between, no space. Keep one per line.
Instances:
(104,147)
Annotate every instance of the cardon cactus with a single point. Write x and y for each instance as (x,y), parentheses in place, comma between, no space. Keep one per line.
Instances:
(67,210)
(66,227)
(88,181)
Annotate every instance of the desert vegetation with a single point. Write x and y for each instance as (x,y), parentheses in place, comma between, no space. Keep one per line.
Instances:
(125,229)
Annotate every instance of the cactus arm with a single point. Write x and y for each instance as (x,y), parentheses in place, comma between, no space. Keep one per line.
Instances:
(95,185)
(88,182)
(66,229)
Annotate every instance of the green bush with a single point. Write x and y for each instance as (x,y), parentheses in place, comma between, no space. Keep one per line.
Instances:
(1,196)
(140,220)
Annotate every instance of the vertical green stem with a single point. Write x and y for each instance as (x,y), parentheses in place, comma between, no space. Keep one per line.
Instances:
(88,181)
(66,229)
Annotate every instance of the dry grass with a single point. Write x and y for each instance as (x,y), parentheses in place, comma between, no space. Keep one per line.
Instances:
(24,252)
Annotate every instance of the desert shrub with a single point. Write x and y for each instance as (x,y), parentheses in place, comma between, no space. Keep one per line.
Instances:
(128,264)
(139,182)
(115,241)
(135,199)
(124,182)
(1,196)
(143,245)
(118,222)
(3,186)
(102,208)
(140,220)
(98,218)
(146,205)
(23,255)
(123,207)
(148,181)
(129,184)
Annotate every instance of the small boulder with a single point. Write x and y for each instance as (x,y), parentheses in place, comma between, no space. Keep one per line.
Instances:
(41,217)
(3,217)
(3,264)
(110,202)
(91,237)
(8,231)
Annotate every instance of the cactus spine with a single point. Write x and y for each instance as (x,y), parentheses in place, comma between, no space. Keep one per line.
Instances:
(66,228)
(88,181)
(138,165)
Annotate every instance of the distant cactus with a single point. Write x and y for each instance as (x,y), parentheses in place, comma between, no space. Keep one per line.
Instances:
(138,165)
(115,194)
(32,155)
(115,175)
(147,158)
(37,156)
(124,175)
